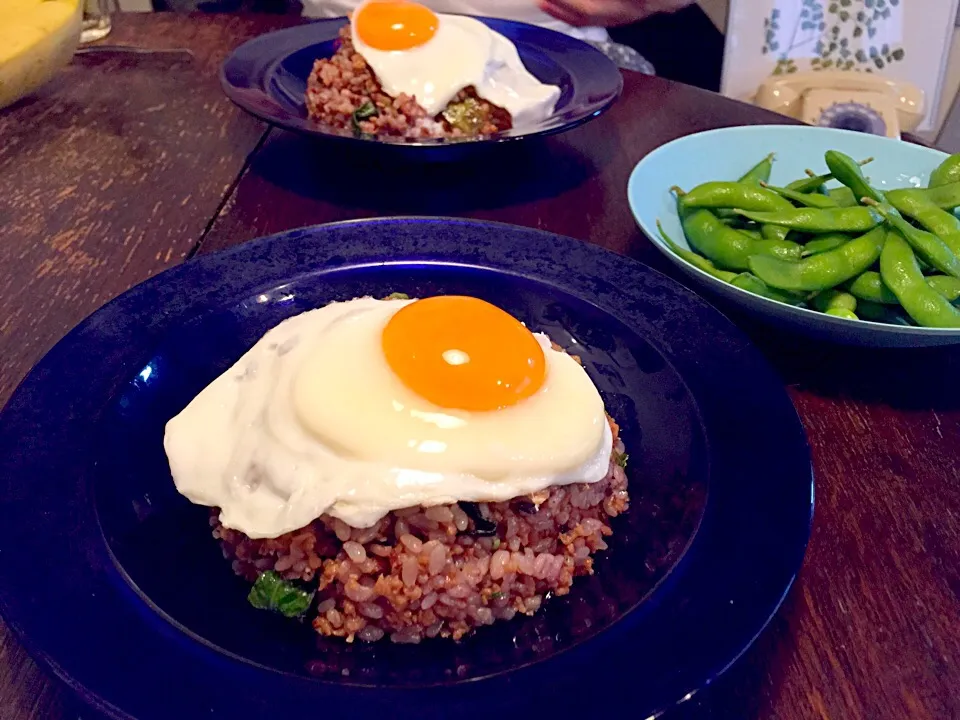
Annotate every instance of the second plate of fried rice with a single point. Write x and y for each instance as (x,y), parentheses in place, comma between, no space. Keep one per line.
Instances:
(309,79)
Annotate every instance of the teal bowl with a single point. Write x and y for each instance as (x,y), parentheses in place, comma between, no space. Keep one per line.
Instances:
(727,154)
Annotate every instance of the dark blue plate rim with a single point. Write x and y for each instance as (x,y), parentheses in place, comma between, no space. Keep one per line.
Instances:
(110,645)
(250,69)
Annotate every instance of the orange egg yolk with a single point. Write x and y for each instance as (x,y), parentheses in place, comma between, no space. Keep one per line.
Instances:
(394,24)
(463,353)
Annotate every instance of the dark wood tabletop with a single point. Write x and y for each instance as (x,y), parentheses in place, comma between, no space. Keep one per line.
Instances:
(129,163)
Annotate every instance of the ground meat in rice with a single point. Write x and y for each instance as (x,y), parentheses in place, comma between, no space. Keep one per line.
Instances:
(338,86)
(442,570)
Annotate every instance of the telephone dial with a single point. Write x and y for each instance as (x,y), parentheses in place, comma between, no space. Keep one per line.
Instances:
(844,99)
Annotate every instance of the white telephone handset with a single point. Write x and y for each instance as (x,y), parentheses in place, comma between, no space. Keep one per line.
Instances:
(851,100)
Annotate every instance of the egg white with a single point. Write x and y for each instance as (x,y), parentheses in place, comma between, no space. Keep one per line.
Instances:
(462,52)
(311,420)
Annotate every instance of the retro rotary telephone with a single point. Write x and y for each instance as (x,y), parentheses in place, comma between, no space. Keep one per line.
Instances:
(842,99)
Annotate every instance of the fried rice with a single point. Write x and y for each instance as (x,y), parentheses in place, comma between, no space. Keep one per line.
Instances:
(341,86)
(442,570)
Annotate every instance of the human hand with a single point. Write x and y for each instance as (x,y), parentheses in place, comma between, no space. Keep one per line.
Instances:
(607,13)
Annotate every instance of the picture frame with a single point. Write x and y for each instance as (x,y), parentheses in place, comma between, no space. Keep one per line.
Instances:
(908,40)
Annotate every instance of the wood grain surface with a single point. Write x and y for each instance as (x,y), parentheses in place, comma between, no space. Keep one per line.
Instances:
(108,175)
(872,628)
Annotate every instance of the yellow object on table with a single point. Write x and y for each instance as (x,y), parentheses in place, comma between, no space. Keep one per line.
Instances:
(37,39)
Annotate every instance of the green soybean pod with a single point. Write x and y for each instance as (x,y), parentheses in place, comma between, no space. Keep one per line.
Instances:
(901,273)
(941,223)
(751,283)
(858,219)
(724,194)
(835,300)
(927,245)
(823,271)
(945,197)
(842,313)
(948,172)
(945,285)
(814,183)
(846,170)
(698,261)
(813,200)
(822,243)
(759,173)
(869,286)
(843,197)
(809,184)
(726,247)
(783,249)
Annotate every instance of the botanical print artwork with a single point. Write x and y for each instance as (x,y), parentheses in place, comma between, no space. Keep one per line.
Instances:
(904,40)
(858,35)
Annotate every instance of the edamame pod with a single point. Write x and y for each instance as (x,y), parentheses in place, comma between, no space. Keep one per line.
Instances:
(948,287)
(941,223)
(698,261)
(814,182)
(869,286)
(927,245)
(900,272)
(835,300)
(822,243)
(843,197)
(846,170)
(858,219)
(751,283)
(813,200)
(759,173)
(945,197)
(823,271)
(948,172)
(810,184)
(724,194)
(841,312)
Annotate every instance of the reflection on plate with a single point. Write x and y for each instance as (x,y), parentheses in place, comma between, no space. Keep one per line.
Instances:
(694,571)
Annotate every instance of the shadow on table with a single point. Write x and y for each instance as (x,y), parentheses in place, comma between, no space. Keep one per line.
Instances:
(355,176)
(904,378)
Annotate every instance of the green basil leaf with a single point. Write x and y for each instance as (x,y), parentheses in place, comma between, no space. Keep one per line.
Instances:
(271,592)
(364,112)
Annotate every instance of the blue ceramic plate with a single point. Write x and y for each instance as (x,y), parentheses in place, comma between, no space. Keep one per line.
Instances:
(727,154)
(267,76)
(113,581)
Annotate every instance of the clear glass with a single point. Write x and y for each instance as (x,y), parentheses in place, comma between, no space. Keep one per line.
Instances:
(96,20)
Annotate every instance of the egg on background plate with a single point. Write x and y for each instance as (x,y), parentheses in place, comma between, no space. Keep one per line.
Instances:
(433,56)
(362,407)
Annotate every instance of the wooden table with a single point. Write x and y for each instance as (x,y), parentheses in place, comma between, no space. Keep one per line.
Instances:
(127,164)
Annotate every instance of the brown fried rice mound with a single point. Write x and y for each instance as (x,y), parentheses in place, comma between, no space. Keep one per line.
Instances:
(338,86)
(442,570)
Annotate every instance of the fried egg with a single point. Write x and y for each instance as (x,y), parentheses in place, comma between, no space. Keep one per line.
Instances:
(368,406)
(432,57)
